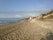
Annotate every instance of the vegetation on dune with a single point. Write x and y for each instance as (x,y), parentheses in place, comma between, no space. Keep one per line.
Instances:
(48,15)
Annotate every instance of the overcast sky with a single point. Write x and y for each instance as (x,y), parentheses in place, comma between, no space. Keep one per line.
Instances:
(24,8)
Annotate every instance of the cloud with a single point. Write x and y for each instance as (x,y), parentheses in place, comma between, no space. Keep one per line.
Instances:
(21,13)
(30,14)
(18,16)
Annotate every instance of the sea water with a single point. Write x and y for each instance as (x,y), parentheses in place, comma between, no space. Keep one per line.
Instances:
(9,20)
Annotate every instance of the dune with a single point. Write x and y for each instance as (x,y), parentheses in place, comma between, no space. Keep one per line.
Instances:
(38,28)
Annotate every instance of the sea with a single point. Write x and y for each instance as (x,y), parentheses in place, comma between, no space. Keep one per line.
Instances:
(9,20)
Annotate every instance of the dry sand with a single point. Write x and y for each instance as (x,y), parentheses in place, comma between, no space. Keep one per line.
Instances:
(25,30)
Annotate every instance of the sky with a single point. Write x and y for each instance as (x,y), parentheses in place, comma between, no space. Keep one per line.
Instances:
(24,8)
